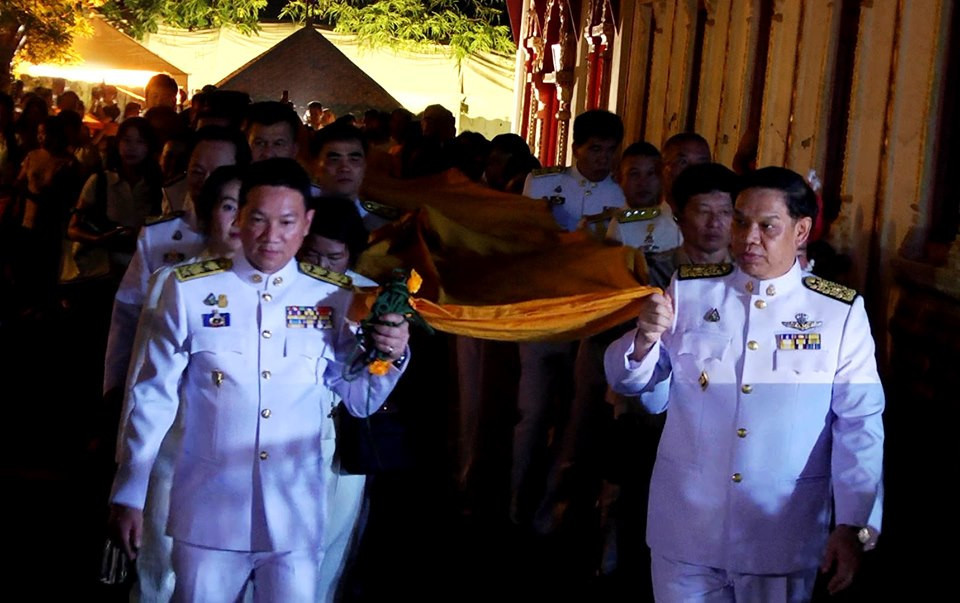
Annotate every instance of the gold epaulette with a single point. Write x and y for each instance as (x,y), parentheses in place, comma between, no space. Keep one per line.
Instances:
(830,289)
(204,268)
(638,214)
(384,211)
(327,276)
(691,271)
(558,169)
(165,218)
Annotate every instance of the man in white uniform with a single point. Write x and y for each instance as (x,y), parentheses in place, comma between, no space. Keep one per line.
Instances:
(775,414)
(586,188)
(248,349)
(647,220)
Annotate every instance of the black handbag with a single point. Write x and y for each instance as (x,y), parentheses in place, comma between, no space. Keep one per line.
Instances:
(374,444)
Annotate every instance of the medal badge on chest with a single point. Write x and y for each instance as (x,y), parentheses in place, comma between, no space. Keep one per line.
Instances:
(309,317)
(216,318)
(805,339)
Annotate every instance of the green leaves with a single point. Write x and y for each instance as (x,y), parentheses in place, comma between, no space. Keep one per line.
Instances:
(464,26)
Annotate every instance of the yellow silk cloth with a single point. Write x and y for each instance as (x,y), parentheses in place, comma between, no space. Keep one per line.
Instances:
(497,266)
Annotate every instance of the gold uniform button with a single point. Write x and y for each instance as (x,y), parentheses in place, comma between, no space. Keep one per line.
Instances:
(256,278)
(278,280)
(753,345)
(771,290)
(267,334)
(265,413)
(760,304)
(264,455)
(741,433)
(265,374)
(736,477)
(746,388)
(267,297)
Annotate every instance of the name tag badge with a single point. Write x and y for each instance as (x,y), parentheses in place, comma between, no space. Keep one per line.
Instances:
(798,341)
(216,319)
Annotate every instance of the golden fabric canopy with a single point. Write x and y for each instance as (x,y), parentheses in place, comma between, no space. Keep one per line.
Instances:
(496,266)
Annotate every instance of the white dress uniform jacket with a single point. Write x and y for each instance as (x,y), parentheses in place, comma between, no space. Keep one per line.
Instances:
(571,196)
(650,229)
(250,357)
(775,404)
(165,242)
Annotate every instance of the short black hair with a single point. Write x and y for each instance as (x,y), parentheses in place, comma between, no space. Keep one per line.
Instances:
(210,192)
(268,113)
(336,132)
(682,137)
(224,134)
(702,179)
(597,123)
(511,144)
(276,171)
(338,219)
(641,149)
(800,198)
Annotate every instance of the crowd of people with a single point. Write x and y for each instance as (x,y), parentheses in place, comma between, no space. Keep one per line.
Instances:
(213,250)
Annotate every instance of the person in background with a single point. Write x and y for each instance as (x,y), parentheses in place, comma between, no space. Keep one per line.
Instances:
(114,204)
(272,130)
(574,194)
(161,91)
(647,221)
(679,152)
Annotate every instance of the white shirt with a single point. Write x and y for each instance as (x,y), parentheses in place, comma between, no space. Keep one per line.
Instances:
(775,403)
(571,196)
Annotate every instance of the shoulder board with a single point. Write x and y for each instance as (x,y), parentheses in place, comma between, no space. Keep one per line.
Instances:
(327,276)
(638,215)
(830,289)
(384,211)
(189,272)
(166,218)
(558,169)
(692,271)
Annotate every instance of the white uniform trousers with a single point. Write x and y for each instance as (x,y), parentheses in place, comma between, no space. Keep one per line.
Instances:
(214,576)
(678,582)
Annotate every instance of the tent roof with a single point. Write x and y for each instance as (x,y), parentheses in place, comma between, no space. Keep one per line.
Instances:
(110,48)
(309,67)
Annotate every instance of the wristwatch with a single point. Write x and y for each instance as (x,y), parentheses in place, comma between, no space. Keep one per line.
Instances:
(399,362)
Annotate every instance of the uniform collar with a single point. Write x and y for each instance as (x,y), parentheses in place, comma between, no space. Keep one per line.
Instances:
(583,181)
(261,280)
(769,287)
